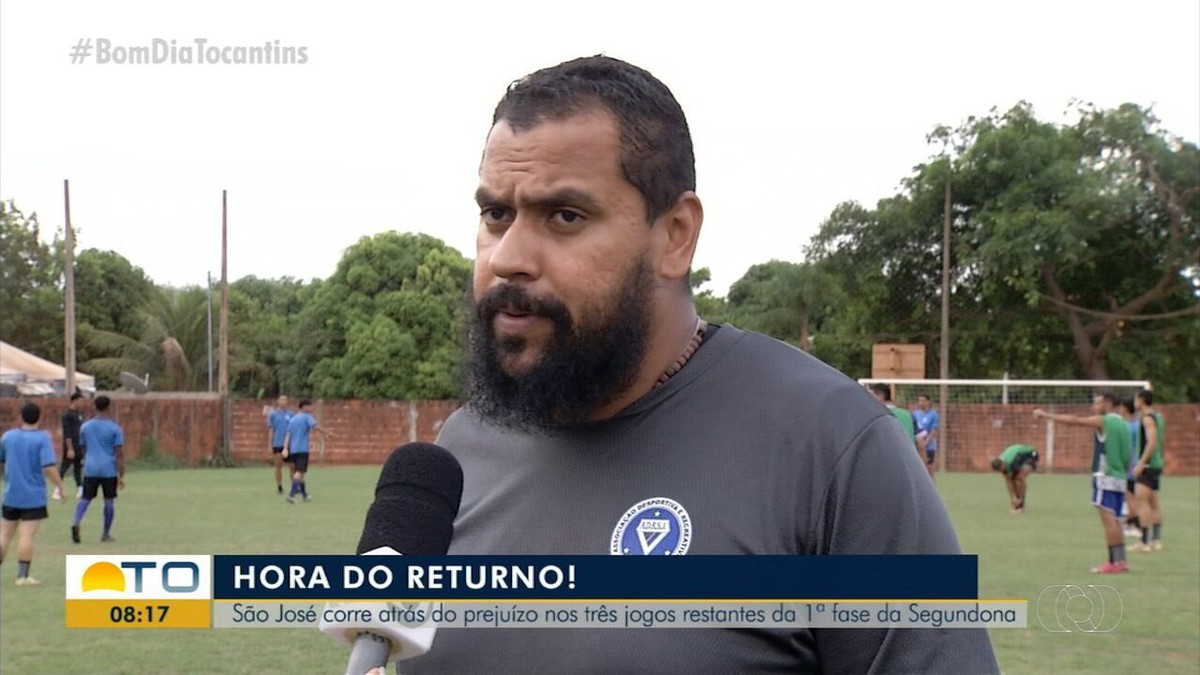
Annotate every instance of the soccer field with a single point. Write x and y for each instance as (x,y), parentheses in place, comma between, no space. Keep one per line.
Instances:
(1057,542)
(236,511)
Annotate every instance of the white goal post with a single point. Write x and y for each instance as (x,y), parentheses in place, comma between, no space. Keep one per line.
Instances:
(979,418)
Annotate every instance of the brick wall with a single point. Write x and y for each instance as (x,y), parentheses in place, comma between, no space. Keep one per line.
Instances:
(361,432)
(976,433)
(188,426)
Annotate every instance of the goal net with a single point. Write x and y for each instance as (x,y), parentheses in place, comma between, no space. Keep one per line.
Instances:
(979,418)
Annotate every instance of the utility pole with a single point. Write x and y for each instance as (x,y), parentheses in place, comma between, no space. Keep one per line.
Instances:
(944,351)
(68,293)
(223,385)
(208,335)
(223,363)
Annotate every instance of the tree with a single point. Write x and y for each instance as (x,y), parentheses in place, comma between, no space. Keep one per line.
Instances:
(885,263)
(110,292)
(1074,250)
(1097,223)
(386,324)
(173,346)
(31,297)
(708,306)
(783,299)
(263,317)
(110,295)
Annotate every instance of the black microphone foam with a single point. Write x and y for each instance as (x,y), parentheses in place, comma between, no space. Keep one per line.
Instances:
(416,501)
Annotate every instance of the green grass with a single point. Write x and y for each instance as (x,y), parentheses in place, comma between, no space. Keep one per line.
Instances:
(194,511)
(236,511)
(1058,541)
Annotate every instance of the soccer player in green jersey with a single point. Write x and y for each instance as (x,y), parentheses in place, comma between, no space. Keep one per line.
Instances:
(1016,462)
(1130,514)
(883,393)
(1111,452)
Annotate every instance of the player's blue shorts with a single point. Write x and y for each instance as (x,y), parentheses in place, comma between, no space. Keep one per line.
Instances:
(1109,500)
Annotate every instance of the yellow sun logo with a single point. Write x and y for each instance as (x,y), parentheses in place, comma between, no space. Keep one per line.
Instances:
(104,576)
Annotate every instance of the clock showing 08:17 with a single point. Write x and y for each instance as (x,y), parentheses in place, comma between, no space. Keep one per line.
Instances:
(131,614)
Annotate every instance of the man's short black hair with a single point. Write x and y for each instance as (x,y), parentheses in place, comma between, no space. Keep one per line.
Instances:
(884,391)
(997,464)
(1147,396)
(304,403)
(30,413)
(101,403)
(76,396)
(656,145)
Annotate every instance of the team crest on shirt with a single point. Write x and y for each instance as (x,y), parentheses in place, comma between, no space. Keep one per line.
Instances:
(657,526)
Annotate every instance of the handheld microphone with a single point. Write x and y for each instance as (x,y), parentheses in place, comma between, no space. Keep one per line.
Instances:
(416,501)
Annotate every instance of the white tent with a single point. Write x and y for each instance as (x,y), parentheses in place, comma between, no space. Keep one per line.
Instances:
(32,375)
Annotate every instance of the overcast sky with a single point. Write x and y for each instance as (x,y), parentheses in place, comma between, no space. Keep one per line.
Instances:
(792,110)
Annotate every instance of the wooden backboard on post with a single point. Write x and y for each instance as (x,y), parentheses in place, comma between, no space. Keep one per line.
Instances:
(897,362)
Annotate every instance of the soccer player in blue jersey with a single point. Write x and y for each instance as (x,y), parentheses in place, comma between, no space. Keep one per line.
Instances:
(103,466)
(296,446)
(277,423)
(27,460)
(929,425)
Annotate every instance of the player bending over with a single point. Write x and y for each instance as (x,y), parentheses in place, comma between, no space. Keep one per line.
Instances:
(1016,463)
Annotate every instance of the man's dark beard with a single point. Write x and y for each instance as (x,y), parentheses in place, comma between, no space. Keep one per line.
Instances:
(584,365)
